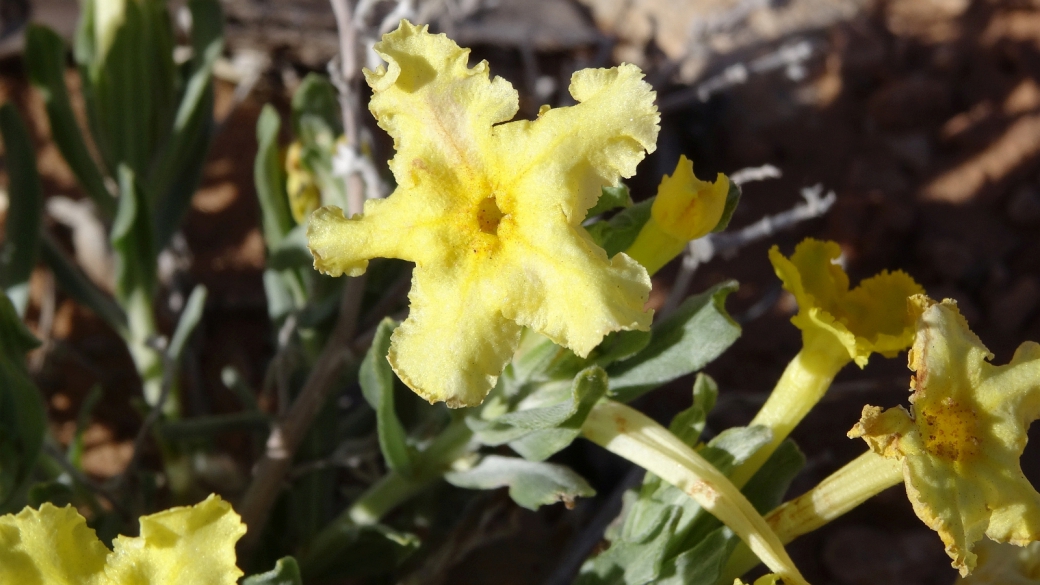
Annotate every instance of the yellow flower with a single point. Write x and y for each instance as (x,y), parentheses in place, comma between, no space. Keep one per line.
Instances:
(304,196)
(181,546)
(960,449)
(872,317)
(838,326)
(490,213)
(686,208)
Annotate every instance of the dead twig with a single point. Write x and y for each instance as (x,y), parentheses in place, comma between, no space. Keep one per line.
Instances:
(287,434)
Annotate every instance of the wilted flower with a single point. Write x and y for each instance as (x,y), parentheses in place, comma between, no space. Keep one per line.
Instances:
(960,448)
(838,326)
(181,546)
(686,208)
(491,212)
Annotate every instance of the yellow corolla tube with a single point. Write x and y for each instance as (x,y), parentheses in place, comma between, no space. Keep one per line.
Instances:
(838,325)
(960,447)
(490,212)
(686,208)
(193,545)
(624,431)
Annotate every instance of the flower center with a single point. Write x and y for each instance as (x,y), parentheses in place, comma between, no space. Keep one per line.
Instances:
(489,216)
(951,430)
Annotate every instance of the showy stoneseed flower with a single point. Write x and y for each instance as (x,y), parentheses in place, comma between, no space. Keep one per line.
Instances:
(490,212)
(181,546)
(838,325)
(960,448)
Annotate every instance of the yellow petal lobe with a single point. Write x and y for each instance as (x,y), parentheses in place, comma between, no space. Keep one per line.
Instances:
(961,448)
(50,546)
(871,318)
(490,212)
(686,208)
(192,545)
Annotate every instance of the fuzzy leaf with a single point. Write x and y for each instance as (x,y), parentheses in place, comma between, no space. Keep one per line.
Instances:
(531,484)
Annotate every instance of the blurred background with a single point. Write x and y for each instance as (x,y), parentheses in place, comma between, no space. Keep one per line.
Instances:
(921,116)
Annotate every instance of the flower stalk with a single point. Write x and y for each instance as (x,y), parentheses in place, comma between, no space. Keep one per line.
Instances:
(627,432)
(861,479)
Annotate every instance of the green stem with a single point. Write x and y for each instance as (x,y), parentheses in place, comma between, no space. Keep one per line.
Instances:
(858,481)
(148,360)
(803,383)
(627,432)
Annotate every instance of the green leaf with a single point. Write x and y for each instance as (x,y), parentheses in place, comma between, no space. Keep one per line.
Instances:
(617,234)
(130,86)
(316,99)
(45,60)
(702,564)
(291,252)
(611,198)
(189,319)
(355,551)
(285,572)
(636,556)
(732,199)
(53,492)
(184,152)
(74,454)
(537,433)
(689,424)
(22,415)
(377,385)
(132,240)
(25,209)
(269,176)
(765,490)
(618,346)
(531,484)
(684,342)
(73,283)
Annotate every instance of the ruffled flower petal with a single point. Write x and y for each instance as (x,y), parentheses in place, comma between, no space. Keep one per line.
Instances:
(961,447)
(192,545)
(50,546)
(455,341)
(1005,564)
(871,318)
(561,284)
(564,158)
(182,546)
(490,213)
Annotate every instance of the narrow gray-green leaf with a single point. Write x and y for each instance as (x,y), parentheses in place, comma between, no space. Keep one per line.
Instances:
(316,98)
(377,385)
(689,424)
(184,153)
(25,209)
(531,484)
(132,239)
(269,176)
(589,386)
(285,572)
(75,284)
(22,416)
(45,60)
(550,427)
(190,317)
(684,342)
